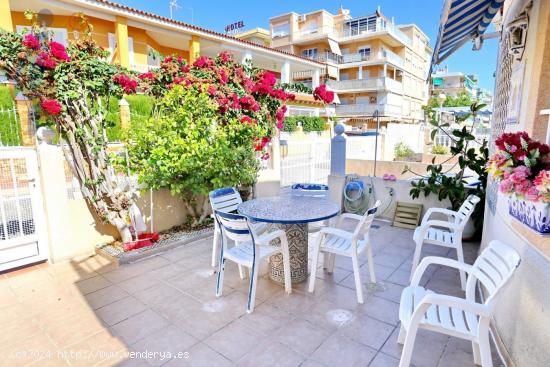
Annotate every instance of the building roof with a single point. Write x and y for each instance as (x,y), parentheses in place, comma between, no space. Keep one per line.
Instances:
(191,27)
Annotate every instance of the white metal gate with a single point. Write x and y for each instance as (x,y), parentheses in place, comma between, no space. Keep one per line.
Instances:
(306,161)
(22,230)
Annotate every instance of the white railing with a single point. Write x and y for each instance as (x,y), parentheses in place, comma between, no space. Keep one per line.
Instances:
(379,27)
(368,109)
(305,161)
(314,32)
(385,55)
(366,84)
(143,68)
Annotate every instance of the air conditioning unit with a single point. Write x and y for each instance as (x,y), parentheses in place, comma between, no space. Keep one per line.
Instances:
(301,18)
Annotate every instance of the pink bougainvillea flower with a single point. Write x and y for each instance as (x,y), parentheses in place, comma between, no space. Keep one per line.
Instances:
(321,93)
(249,103)
(265,156)
(519,174)
(43,59)
(31,41)
(185,69)
(235,104)
(224,57)
(204,62)
(58,51)
(128,84)
(280,115)
(212,90)
(248,120)
(51,106)
(261,143)
(147,76)
(222,76)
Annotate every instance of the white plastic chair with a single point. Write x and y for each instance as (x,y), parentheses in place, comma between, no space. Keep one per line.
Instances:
(227,200)
(335,241)
(250,251)
(444,233)
(454,316)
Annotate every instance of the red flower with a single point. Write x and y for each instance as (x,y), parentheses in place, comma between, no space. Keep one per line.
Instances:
(261,143)
(44,60)
(266,81)
(235,104)
(247,120)
(149,76)
(168,59)
(224,57)
(204,62)
(212,90)
(51,106)
(322,94)
(222,76)
(128,84)
(182,80)
(30,41)
(58,51)
(249,103)
(185,69)
(265,156)
(280,115)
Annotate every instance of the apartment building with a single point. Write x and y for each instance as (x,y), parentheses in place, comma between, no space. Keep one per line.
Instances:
(135,38)
(374,64)
(453,83)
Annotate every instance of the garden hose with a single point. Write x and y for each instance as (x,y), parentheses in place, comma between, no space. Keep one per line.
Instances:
(356,197)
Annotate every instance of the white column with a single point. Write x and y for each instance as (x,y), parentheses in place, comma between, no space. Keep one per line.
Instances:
(394,73)
(385,70)
(247,58)
(316,78)
(360,73)
(285,72)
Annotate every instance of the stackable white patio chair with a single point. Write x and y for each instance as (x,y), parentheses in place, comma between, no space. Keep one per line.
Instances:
(250,251)
(446,233)
(311,190)
(226,199)
(333,241)
(454,316)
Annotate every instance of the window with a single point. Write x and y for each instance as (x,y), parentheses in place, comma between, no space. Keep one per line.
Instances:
(364,52)
(280,30)
(358,26)
(310,53)
(59,35)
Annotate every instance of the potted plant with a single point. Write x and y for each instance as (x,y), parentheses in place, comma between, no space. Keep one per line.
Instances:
(522,168)
(471,156)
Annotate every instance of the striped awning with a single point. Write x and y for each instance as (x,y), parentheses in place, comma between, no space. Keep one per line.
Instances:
(462,20)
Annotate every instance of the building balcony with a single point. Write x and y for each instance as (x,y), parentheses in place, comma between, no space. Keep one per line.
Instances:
(361,109)
(374,84)
(382,56)
(357,32)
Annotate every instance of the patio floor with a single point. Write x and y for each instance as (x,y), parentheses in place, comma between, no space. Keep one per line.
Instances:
(91,313)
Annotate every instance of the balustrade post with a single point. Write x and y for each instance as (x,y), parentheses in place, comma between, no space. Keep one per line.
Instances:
(338,152)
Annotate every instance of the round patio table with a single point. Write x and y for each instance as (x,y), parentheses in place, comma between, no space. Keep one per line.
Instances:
(291,214)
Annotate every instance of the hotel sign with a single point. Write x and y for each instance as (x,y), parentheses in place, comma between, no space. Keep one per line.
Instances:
(234,27)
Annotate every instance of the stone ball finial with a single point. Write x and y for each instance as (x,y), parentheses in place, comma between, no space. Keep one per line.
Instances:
(45,135)
(339,129)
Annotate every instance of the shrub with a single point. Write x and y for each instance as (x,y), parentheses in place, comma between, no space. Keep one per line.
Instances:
(402,150)
(191,152)
(440,149)
(309,123)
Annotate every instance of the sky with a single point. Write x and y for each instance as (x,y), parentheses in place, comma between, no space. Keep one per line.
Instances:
(216,14)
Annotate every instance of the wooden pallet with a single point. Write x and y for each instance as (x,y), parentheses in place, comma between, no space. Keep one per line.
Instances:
(407,215)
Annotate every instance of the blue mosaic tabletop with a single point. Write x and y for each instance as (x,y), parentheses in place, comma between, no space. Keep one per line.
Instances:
(289,209)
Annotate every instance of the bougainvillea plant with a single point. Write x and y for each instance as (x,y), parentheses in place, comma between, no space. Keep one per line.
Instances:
(214,120)
(240,91)
(521,166)
(71,85)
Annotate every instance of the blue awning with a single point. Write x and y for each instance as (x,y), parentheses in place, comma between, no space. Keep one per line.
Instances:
(462,20)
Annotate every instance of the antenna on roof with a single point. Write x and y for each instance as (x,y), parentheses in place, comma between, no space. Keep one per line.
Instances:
(173,6)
